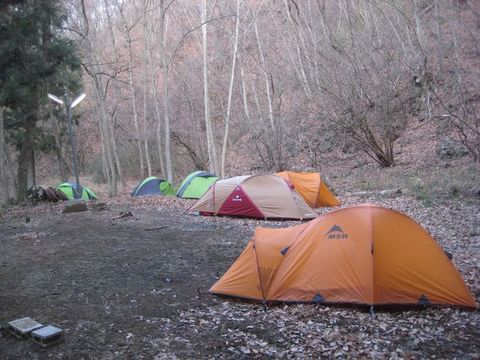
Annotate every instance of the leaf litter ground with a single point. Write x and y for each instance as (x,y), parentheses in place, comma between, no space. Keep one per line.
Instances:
(132,282)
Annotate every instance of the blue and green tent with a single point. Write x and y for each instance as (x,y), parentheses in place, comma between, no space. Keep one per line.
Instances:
(196,184)
(75,192)
(153,186)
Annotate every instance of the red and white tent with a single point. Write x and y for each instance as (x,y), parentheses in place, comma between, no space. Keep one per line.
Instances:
(256,196)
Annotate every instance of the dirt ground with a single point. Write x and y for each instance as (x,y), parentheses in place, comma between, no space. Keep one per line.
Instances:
(136,288)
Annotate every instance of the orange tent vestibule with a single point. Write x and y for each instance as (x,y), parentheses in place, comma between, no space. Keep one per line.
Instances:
(311,187)
(360,255)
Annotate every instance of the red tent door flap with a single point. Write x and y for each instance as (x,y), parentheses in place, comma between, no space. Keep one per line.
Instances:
(239,204)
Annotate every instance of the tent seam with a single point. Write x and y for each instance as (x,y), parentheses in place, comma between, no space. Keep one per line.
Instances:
(258,270)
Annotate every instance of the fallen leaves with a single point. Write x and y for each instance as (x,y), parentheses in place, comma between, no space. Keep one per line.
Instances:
(197,323)
(284,331)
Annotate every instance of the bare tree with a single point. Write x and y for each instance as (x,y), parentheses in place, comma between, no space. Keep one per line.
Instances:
(370,89)
(458,98)
(152,70)
(127,28)
(165,97)
(276,152)
(230,89)
(324,71)
(212,152)
(3,150)
(100,79)
(146,68)
(116,96)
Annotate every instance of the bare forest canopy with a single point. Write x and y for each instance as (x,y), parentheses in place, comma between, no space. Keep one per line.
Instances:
(179,85)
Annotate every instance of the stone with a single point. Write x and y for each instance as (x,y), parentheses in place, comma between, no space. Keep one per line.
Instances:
(349,148)
(448,148)
(73,206)
(99,206)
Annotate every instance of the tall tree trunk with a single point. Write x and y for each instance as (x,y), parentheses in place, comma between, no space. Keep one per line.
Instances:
(105,137)
(158,120)
(211,148)
(11,175)
(274,136)
(25,159)
(105,118)
(116,158)
(418,24)
(230,90)
(244,96)
(439,36)
(166,115)
(31,177)
(60,158)
(145,92)
(323,19)
(61,167)
(145,128)
(298,42)
(105,163)
(133,92)
(3,161)
(116,97)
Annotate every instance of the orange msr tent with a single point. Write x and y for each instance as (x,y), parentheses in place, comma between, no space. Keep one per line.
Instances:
(360,255)
(311,187)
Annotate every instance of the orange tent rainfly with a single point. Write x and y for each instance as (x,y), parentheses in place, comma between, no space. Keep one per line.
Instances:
(360,255)
(311,187)
(257,196)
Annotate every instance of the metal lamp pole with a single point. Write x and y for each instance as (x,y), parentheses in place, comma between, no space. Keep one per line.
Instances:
(71,135)
(71,131)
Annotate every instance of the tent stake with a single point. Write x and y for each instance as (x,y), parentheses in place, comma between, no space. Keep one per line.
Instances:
(264,303)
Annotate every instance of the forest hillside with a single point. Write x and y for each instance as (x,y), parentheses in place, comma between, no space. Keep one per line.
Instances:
(356,90)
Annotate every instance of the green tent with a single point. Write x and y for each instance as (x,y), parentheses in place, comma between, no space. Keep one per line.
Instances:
(196,184)
(82,192)
(153,186)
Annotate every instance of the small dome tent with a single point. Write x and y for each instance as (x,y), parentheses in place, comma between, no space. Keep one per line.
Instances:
(153,186)
(74,192)
(311,187)
(196,184)
(360,255)
(257,196)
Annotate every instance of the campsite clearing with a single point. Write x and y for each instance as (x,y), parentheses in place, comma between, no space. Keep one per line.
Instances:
(136,287)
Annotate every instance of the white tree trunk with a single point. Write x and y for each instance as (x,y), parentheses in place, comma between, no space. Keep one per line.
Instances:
(244,96)
(134,107)
(166,115)
(145,92)
(158,118)
(116,158)
(107,162)
(116,96)
(230,90)
(211,148)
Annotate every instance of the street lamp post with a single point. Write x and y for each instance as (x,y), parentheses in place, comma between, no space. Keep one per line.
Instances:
(71,132)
